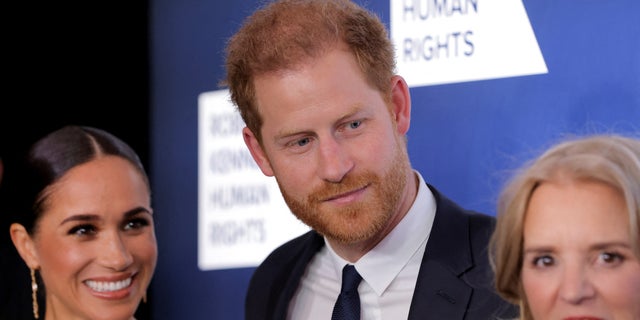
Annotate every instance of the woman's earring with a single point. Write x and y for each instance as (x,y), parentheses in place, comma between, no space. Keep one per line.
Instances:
(34,293)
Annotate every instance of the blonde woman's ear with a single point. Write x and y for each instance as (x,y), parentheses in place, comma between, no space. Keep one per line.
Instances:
(24,244)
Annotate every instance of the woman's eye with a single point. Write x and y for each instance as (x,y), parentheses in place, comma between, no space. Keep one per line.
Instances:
(543,261)
(83,230)
(138,223)
(610,258)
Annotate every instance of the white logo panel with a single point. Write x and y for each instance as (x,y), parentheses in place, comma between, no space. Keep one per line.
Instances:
(242,216)
(440,41)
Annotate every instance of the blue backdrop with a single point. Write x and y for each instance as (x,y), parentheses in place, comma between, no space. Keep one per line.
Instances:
(464,137)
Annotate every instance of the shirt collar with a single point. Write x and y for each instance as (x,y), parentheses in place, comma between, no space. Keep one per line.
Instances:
(385,261)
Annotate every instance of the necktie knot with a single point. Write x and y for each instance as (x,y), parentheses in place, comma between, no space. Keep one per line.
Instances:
(350,279)
(347,305)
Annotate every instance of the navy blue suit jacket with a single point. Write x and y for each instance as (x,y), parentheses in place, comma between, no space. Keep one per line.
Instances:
(455,280)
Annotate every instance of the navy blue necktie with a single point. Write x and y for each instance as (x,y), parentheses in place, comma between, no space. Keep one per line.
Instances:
(347,306)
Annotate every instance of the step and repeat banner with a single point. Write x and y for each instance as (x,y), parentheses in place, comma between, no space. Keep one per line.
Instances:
(493,83)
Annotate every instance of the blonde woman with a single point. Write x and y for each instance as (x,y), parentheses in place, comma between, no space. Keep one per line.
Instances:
(566,243)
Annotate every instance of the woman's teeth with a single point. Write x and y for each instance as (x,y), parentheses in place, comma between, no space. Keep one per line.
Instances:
(101,286)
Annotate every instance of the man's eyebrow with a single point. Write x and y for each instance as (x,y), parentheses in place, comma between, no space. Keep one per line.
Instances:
(353,109)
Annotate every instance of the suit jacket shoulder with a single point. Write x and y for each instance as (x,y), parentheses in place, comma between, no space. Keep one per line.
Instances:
(276,279)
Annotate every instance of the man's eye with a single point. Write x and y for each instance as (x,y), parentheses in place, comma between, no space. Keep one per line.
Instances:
(355,124)
(302,142)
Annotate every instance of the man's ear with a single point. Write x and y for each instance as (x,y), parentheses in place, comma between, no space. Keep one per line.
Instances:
(25,245)
(256,151)
(401,104)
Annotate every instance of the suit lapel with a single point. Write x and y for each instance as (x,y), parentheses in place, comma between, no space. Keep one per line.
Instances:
(439,292)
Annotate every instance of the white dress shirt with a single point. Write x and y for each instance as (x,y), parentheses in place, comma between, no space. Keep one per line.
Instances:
(389,271)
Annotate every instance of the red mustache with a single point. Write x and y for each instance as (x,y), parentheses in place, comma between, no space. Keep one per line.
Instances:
(329,190)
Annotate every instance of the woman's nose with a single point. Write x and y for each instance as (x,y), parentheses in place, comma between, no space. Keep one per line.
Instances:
(576,285)
(114,253)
